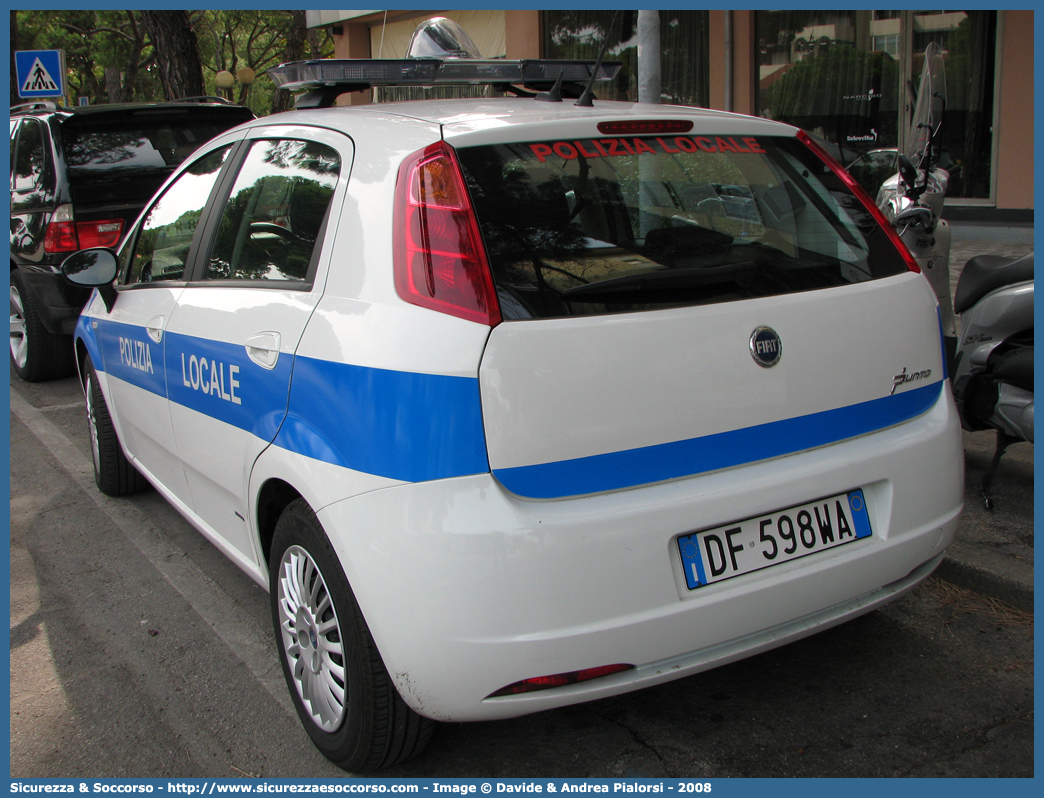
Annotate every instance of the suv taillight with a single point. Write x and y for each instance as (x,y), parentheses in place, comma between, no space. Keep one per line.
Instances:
(440,262)
(60,235)
(832,164)
(104,233)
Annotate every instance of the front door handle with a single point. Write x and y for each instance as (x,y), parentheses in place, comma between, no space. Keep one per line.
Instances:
(155,328)
(263,349)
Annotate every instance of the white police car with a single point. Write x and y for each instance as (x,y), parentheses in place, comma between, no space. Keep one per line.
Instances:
(515,403)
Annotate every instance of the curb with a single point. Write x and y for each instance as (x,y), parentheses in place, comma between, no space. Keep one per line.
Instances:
(977,568)
(993,232)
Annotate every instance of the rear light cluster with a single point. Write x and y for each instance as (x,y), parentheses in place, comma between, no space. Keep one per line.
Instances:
(63,234)
(559,680)
(440,262)
(862,196)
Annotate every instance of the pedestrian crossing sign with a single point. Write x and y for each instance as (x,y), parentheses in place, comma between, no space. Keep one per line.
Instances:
(40,73)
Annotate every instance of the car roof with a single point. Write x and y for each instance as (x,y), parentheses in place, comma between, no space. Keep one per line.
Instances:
(465,114)
(122,109)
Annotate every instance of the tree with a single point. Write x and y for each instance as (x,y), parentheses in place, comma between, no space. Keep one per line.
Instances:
(294,51)
(176,51)
(115,57)
(122,56)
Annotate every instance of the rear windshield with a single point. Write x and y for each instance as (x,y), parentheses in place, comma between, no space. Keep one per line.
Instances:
(137,143)
(584,227)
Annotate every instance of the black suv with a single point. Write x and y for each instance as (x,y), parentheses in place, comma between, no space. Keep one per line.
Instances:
(79,178)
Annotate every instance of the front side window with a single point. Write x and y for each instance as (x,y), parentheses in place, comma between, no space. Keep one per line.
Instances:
(14,127)
(31,157)
(165,238)
(616,224)
(270,225)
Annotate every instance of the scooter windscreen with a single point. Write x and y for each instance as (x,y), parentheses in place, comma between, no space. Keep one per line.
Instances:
(928,111)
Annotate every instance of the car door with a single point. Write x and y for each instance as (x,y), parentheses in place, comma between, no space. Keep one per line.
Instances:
(231,340)
(132,334)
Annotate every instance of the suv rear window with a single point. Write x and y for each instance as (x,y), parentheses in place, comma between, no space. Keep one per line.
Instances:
(135,143)
(584,227)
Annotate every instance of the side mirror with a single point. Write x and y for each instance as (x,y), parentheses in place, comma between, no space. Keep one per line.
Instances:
(94,268)
(907,171)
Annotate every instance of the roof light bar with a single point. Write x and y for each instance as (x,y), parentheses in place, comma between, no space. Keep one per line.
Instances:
(366,72)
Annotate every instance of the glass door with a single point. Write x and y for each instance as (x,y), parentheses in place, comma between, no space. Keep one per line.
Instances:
(850,77)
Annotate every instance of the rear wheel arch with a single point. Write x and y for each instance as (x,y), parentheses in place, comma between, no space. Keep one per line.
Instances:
(272,500)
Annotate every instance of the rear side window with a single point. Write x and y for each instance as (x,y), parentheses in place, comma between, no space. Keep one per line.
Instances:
(270,225)
(584,227)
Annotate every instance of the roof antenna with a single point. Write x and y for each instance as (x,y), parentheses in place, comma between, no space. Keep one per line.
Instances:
(586,99)
(555,94)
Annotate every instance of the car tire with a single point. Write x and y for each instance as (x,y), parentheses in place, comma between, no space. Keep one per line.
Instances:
(36,354)
(337,680)
(113,472)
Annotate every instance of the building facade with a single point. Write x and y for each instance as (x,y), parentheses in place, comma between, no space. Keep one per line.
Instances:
(847,76)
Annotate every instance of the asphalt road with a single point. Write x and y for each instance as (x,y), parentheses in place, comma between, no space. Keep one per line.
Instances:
(138,650)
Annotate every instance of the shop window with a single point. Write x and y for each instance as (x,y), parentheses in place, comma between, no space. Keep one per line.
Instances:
(848,87)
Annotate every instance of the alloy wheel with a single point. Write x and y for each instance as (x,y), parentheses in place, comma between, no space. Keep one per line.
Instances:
(311,638)
(92,425)
(19,340)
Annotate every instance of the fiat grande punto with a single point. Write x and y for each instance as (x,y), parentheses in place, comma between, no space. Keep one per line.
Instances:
(517,402)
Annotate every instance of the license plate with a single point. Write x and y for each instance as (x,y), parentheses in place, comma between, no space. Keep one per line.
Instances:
(761,542)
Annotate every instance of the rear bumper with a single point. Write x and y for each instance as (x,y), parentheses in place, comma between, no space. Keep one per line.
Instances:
(467,588)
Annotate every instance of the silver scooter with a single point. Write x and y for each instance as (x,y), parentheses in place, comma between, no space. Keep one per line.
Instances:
(913,199)
(991,363)
(992,371)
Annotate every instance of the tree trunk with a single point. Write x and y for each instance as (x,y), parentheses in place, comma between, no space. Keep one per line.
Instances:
(177,53)
(114,86)
(296,37)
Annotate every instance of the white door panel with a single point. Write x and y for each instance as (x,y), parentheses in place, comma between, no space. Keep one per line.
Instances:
(133,358)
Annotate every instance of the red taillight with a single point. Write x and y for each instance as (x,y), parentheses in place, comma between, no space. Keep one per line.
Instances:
(645,127)
(440,262)
(862,196)
(60,235)
(559,680)
(105,233)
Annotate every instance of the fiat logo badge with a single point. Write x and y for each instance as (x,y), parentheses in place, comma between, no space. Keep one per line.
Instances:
(765,347)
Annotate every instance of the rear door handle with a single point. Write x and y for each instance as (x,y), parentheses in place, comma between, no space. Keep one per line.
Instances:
(263,349)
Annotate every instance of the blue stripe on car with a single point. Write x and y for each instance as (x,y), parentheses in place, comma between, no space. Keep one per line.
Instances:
(396,424)
(401,425)
(220,380)
(129,353)
(645,465)
(417,427)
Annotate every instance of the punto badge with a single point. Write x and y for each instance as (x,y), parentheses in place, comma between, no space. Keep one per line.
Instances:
(765,347)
